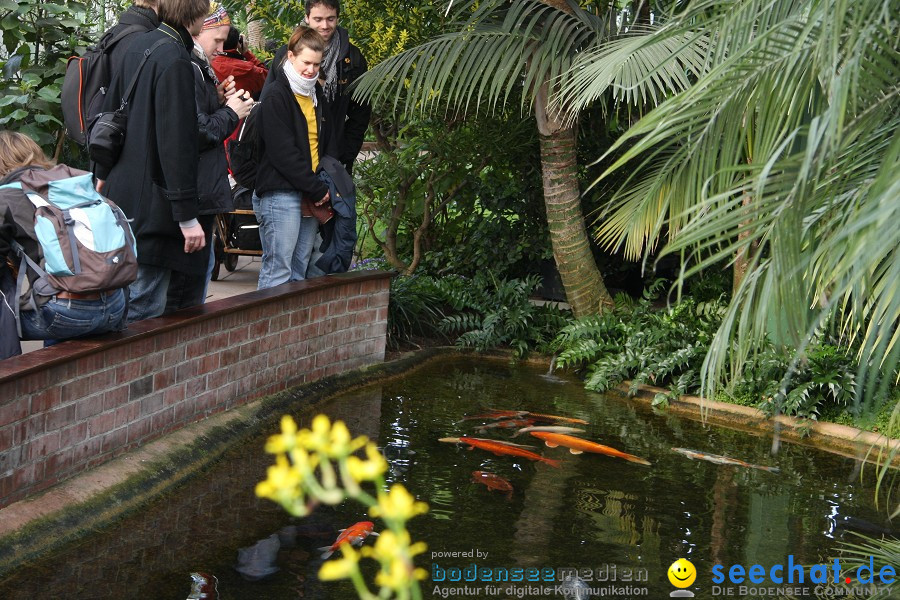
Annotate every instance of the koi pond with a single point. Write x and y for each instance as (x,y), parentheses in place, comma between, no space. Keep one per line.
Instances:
(618,524)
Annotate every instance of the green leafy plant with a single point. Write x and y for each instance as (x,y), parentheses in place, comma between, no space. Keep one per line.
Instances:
(37,39)
(661,347)
(489,312)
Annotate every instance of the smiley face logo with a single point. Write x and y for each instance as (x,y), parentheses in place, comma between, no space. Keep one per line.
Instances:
(682,573)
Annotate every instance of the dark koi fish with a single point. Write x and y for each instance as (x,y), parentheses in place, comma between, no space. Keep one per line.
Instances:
(493,482)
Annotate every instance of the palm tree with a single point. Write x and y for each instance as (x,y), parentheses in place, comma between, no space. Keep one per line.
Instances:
(497,47)
(785,152)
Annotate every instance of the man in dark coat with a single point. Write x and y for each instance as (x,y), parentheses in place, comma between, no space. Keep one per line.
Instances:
(140,17)
(342,64)
(155,178)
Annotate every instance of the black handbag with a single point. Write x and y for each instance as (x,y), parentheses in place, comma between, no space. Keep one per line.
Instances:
(106,136)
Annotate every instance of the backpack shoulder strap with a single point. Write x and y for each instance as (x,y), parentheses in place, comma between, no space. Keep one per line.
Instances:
(126,97)
(108,41)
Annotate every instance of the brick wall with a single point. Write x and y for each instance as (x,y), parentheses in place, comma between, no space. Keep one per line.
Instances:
(67,408)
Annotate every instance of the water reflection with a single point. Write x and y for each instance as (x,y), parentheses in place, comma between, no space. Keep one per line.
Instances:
(596,513)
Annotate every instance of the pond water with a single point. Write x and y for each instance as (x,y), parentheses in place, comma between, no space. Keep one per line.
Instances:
(620,524)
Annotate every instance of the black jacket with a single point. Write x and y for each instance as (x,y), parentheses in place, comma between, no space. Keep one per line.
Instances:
(155,179)
(349,118)
(285,162)
(215,122)
(339,233)
(141,20)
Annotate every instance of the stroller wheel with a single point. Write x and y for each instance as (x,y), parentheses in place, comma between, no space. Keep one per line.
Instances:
(230,261)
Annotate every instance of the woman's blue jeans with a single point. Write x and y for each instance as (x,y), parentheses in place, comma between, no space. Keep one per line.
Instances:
(59,319)
(287,238)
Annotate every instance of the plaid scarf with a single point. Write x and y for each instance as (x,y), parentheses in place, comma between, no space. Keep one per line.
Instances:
(330,59)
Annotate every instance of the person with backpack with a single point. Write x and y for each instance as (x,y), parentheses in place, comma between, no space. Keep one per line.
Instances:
(290,130)
(50,315)
(88,76)
(154,179)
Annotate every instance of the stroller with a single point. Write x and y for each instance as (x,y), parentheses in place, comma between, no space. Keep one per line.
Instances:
(236,233)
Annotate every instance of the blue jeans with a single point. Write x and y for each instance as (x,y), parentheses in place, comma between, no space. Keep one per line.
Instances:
(158,290)
(59,319)
(287,237)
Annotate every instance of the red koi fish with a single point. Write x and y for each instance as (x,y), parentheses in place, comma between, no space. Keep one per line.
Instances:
(578,445)
(354,535)
(501,448)
(493,482)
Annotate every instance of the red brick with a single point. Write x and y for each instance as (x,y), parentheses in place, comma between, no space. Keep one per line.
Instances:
(45,400)
(73,435)
(62,417)
(127,413)
(115,397)
(259,329)
(151,404)
(139,430)
(364,318)
(173,395)
(88,450)
(84,409)
(238,336)
(59,463)
(357,304)
(101,424)
(32,427)
(229,356)
(151,364)
(184,412)
(173,356)
(128,371)
(218,378)
(44,445)
(208,364)
(279,323)
(300,317)
(196,386)
(317,313)
(162,420)
(186,370)
(114,440)
(33,382)
(164,379)
(10,436)
(337,307)
(11,412)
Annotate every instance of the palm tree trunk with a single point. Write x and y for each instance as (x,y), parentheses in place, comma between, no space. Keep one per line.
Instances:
(583,283)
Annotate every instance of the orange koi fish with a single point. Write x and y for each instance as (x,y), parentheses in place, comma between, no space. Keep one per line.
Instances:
(578,445)
(354,535)
(501,448)
(493,482)
(722,460)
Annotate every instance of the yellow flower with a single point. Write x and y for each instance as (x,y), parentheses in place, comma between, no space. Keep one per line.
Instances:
(282,483)
(341,568)
(367,470)
(330,440)
(397,504)
(287,440)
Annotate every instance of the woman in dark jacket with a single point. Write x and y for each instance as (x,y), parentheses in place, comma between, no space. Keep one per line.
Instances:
(291,130)
(216,119)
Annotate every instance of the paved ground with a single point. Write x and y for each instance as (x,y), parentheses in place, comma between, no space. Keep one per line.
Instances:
(243,279)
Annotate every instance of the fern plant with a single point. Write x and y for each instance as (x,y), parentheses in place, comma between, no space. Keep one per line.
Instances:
(488,313)
(661,347)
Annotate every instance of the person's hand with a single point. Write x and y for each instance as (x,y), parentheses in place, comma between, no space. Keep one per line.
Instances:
(99,185)
(225,88)
(241,103)
(194,238)
(324,199)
